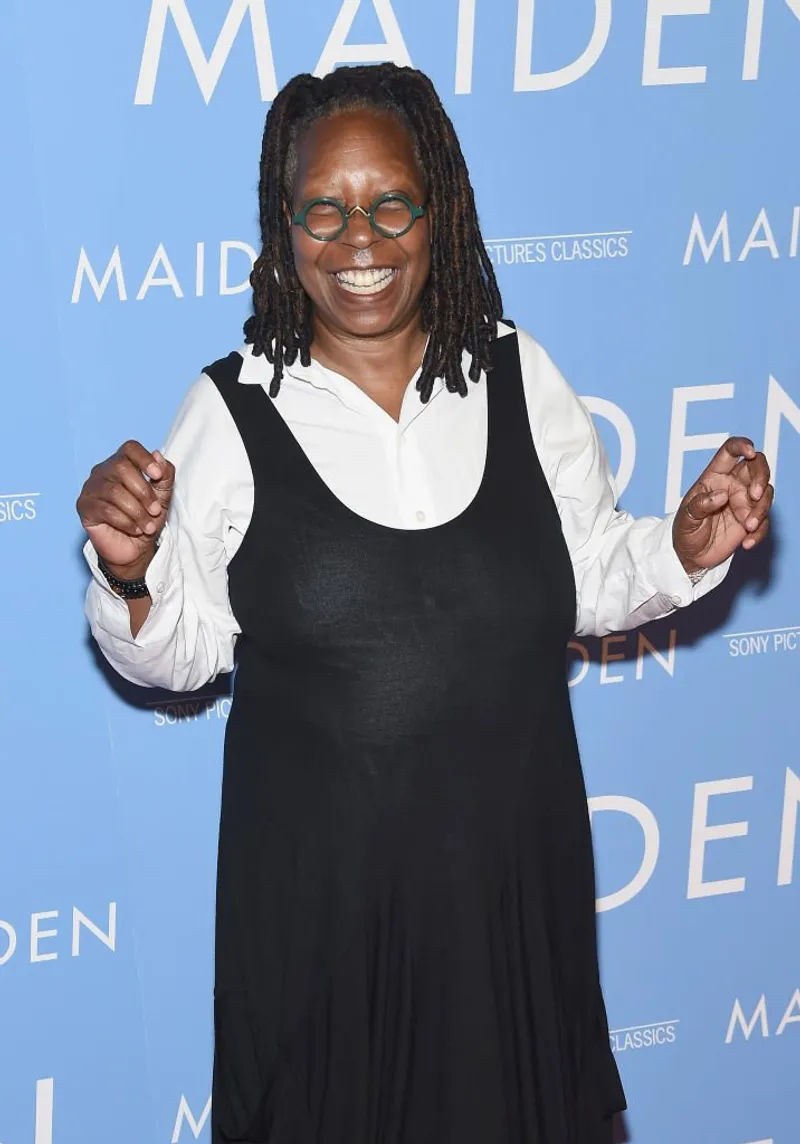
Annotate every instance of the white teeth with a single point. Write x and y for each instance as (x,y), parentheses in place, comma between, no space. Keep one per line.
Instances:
(364,281)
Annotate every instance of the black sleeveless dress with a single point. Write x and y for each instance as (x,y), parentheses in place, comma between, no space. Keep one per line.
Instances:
(405,905)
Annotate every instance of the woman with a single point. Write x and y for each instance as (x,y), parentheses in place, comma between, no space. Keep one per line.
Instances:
(405,905)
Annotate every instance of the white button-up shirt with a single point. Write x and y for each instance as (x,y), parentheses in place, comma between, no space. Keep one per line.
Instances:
(417,472)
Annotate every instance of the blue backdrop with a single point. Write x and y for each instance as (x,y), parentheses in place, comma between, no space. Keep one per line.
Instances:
(637,174)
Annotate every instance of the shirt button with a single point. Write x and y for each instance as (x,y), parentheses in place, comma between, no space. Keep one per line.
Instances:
(160,586)
(420,516)
(676,600)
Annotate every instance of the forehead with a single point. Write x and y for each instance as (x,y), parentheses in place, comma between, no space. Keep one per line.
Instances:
(357,145)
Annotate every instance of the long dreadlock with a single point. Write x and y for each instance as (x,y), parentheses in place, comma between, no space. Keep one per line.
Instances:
(461,303)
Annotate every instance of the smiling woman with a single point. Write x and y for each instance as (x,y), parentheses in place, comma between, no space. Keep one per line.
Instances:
(405,944)
(368,283)
(376,150)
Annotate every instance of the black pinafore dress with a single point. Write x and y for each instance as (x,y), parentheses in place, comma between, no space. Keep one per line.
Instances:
(405,947)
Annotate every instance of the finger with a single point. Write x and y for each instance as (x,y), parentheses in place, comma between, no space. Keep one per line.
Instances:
(739,502)
(758,512)
(167,480)
(104,512)
(759,474)
(127,475)
(126,502)
(704,505)
(728,455)
(756,537)
(142,458)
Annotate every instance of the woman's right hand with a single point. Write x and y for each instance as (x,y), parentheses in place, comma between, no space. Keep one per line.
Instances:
(123,507)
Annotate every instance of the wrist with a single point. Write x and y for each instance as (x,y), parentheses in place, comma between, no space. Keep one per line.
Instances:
(133,571)
(694,571)
(690,567)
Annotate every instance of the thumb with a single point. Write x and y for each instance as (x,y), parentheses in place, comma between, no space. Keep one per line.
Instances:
(167,479)
(163,486)
(697,510)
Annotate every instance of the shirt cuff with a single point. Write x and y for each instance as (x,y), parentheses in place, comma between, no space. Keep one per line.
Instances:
(109,612)
(670,583)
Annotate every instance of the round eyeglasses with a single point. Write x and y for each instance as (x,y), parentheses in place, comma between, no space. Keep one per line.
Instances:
(391,216)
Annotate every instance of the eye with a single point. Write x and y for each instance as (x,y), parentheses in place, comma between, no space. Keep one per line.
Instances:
(393,204)
(323,211)
(393,215)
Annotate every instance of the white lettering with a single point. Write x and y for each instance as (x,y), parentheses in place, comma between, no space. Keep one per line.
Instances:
(681,442)
(583,652)
(44,1111)
(526,80)
(737,1017)
(465,46)
(85,268)
(753,243)
(607,657)
(38,935)
(646,819)
(11,948)
(752,36)
(185,1113)
(702,834)
(779,405)
(789,1017)
(336,51)
(200,270)
(160,259)
(207,71)
(224,250)
(652,71)
(108,939)
(791,801)
(696,235)
(667,662)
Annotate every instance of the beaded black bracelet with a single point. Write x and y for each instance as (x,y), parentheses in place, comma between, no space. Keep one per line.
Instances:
(127,589)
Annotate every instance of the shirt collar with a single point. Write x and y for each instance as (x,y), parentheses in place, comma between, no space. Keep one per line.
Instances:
(257,370)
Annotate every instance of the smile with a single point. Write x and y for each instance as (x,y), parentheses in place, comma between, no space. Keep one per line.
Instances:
(365,281)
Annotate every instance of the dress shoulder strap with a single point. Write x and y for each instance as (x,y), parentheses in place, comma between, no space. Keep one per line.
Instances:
(225,374)
(511,457)
(505,385)
(251,410)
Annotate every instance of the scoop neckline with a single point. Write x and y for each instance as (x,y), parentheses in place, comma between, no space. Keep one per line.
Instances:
(304,462)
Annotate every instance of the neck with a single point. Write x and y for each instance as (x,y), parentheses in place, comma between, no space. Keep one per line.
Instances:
(381,366)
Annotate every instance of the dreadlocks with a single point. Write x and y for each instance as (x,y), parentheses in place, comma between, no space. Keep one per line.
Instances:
(461,303)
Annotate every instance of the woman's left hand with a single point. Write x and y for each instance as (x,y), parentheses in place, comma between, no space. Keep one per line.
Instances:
(726,508)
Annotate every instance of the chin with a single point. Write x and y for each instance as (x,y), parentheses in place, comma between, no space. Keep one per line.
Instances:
(361,321)
(369,323)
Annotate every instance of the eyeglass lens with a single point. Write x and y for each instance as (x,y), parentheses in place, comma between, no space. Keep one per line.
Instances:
(392,217)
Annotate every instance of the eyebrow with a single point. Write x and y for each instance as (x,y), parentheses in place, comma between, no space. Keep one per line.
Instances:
(389,191)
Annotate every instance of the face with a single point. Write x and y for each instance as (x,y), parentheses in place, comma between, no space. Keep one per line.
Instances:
(355,157)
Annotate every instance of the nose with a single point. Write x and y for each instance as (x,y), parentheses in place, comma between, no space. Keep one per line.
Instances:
(358,231)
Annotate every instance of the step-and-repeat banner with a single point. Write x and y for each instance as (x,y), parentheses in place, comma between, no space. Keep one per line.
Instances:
(637,173)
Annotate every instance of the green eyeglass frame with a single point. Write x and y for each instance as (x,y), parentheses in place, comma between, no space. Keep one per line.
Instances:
(301,217)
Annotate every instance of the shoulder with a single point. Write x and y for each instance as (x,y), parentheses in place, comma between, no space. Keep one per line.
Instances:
(560,423)
(544,383)
(203,423)
(226,370)
(212,471)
